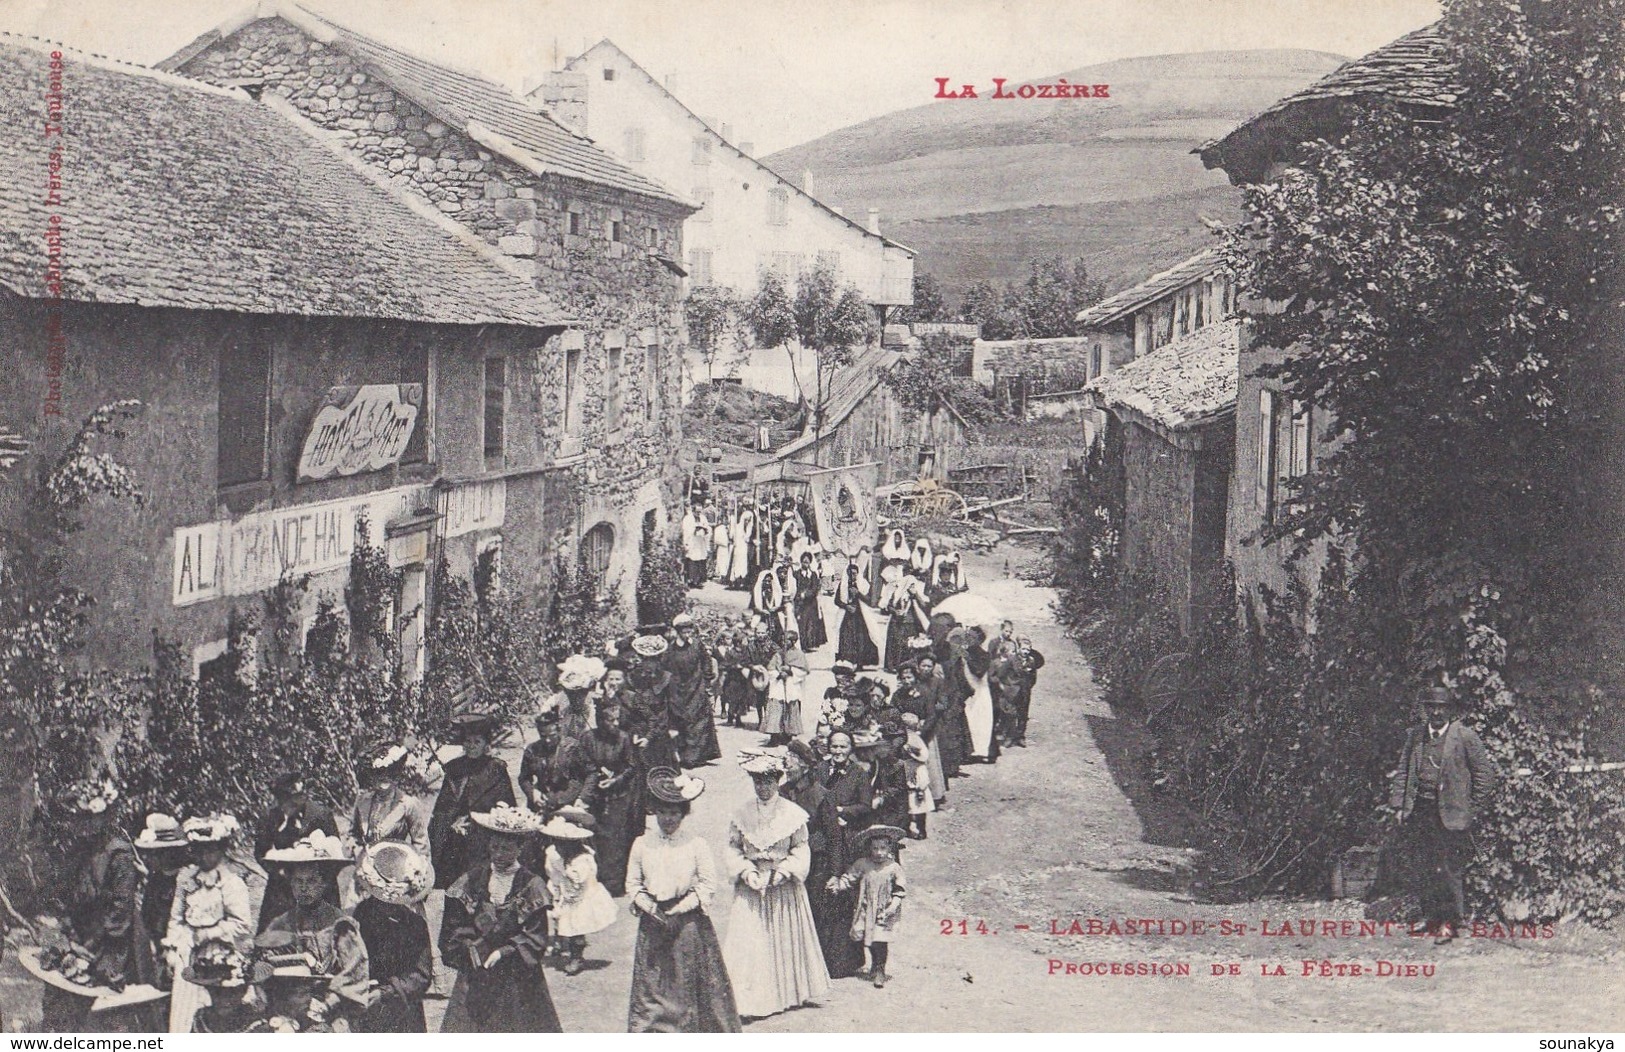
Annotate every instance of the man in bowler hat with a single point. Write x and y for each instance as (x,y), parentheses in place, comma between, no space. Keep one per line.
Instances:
(1444,780)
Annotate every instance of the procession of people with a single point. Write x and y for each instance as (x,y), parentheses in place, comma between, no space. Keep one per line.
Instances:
(517,875)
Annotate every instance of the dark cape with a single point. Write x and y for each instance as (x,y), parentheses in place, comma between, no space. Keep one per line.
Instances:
(511,997)
(855,645)
(689,704)
(848,798)
(808,615)
(400,961)
(470,785)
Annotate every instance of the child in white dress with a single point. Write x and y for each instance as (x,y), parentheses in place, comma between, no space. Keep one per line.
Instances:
(880,882)
(581,905)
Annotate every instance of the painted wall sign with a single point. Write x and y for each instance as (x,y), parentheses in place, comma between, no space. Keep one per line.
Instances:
(251,554)
(472,507)
(360,429)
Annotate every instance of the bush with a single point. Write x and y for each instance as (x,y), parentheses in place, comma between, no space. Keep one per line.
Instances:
(662,591)
(1084,557)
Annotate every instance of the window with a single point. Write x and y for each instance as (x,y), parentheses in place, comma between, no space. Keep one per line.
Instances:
(612,390)
(1094,361)
(572,390)
(418,367)
(496,404)
(245,414)
(634,144)
(578,224)
(1298,463)
(778,206)
(699,266)
(609,73)
(1204,296)
(488,567)
(703,196)
(616,229)
(596,548)
(1266,454)
(702,151)
(652,236)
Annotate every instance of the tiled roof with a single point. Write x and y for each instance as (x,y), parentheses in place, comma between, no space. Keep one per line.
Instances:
(178,194)
(461,100)
(1115,308)
(1182,384)
(1415,70)
(850,385)
(789,184)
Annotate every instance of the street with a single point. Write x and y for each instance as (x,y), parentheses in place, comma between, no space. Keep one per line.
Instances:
(1049,834)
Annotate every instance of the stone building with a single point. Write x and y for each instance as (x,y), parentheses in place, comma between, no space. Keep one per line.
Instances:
(307,344)
(1279,439)
(751,218)
(601,242)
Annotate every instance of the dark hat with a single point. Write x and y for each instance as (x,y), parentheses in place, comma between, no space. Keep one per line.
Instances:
(617,664)
(803,752)
(466,723)
(668,785)
(1435,696)
(289,782)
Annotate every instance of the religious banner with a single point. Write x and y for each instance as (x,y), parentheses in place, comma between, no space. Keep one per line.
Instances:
(843,501)
(360,429)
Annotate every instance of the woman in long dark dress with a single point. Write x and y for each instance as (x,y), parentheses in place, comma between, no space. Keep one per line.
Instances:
(600,767)
(393,878)
(679,983)
(474,781)
(902,600)
(831,910)
(856,645)
(733,664)
(809,615)
(495,935)
(846,786)
(692,672)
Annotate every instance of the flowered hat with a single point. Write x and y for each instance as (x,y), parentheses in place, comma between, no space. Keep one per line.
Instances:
(682,621)
(508,820)
(761,764)
(388,757)
(878,830)
(649,646)
(394,873)
(89,796)
(317,848)
(576,816)
(563,829)
(162,831)
(579,672)
(919,642)
(217,963)
(673,787)
(866,737)
(213,829)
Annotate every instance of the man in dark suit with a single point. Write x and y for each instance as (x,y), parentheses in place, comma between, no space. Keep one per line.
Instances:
(1445,779)
(294,817)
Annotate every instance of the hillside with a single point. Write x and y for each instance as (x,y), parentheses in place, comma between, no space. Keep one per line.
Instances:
(978,186)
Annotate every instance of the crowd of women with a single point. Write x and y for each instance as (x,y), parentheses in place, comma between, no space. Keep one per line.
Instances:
(528,870)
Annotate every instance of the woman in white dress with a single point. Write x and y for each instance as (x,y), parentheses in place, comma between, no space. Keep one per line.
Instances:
(744,536)
(979,706)
(772,950)
(211,903)
(721,548)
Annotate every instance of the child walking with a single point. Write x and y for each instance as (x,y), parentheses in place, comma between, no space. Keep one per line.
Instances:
(917,763)
(581,905)
(880,883)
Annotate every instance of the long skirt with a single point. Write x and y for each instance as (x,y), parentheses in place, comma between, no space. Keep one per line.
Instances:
(509,998)
(695,725)
(772,950)
(810,619)
(856,645)
(933,770)
(832,915)
(738,695)
(979,715)
(679,983)
(722,561)
(898,632)
(782,716)
(953,733)
(619,822)
(185,1001)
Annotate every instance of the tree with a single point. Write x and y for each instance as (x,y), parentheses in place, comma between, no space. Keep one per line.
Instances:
(925,383)
(771,318)
(822,317)
(712,314)
(929,302)
(1044,306)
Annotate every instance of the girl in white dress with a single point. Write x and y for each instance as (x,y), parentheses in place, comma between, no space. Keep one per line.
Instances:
(581,905)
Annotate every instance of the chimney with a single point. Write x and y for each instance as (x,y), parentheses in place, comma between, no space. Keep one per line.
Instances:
(807,181)
(564,95)
(727,132)
(874,221)
(747,148)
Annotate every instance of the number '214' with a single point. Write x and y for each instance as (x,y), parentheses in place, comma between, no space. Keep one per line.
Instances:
(964,927)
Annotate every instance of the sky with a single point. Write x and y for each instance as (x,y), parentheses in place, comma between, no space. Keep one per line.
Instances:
(780,72)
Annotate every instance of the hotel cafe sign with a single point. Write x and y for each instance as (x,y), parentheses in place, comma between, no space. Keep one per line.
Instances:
(360,429)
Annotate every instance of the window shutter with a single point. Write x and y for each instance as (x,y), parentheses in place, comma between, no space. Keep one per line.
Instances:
(1266,452)
(496,404)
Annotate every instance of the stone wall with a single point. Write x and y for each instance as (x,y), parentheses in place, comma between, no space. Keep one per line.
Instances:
(623,299)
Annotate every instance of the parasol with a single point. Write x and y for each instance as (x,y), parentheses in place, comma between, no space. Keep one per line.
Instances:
(970,609)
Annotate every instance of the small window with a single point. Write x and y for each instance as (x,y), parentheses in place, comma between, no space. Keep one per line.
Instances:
(830,260)
(702,151)
(616,229)
(699,266)
(634,144)
(577,225)
(609,73)
(652,236)
(496,404)
(778,206)
(651,383)
(612,390)
(1095,362)
(572,390)
(596,549)
(245,414)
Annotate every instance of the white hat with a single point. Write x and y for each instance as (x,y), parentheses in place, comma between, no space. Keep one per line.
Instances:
(214,829)
(162,831)
(316,847)
(508,820)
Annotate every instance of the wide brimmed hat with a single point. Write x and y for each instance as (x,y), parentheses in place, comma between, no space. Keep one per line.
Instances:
(649,646)
(878,830)
(217,963)
(315,849)
(1436,696)
(917,751)
(162,831)
(508,820)
(671,786)
(89,796)
(211,829)
(802,751)
(466,723)
(396,873)
(865,737)
(563,829)
(843,666)
(761,764)
(579,672)
(682,621)
(388,757)
(576,816)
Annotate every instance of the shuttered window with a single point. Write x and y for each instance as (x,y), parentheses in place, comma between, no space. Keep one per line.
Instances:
(245,417)
(496,405)
(1266,453)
